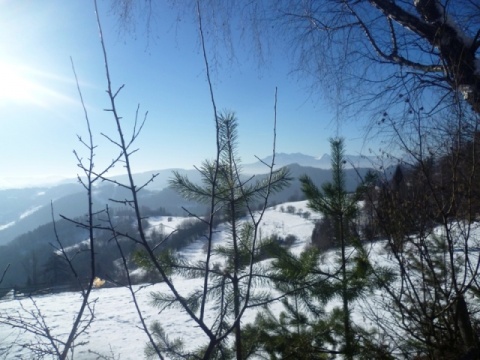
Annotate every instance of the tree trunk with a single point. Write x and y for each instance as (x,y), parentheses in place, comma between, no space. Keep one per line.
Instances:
(346,310)
(469,337)
(456,50)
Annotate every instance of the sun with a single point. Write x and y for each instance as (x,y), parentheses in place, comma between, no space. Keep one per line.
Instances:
(22,85)
(15,85)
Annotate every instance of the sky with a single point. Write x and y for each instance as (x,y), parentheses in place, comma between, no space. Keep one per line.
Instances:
(41,115)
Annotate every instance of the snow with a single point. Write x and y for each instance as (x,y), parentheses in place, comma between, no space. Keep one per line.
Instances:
(30,212)
(165,224)
(85,244)
(7,225)
(116,330)
(22,216)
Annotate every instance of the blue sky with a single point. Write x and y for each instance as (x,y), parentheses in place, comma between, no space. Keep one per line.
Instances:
(41,115)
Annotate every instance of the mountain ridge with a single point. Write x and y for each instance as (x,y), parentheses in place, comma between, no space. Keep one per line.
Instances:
(23,210)
(321,162)
(161,181)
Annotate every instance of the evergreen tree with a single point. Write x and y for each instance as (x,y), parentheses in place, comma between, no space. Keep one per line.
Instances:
(228,271)
(310,281)
(334,202)
(302,330)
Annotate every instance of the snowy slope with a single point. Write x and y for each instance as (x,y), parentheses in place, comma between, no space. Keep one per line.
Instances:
(115,330)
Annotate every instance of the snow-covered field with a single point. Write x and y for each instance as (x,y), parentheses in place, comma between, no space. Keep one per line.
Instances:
(115,332)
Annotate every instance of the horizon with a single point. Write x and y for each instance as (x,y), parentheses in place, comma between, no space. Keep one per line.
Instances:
(53,180)
(56,180)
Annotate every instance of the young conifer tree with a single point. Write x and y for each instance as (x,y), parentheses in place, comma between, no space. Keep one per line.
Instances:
(334,202)
(228,272)
(310,281)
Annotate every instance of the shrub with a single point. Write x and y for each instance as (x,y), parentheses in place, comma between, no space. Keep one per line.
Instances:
(290,240)
(323,235)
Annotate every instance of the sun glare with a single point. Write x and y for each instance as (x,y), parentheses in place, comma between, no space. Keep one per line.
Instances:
(14,85)
(22,85)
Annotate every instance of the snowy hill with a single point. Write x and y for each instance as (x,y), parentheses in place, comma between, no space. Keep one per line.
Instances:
(24,210)
(115,330)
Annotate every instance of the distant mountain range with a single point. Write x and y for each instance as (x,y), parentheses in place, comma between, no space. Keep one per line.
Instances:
(23,210)
(322,162)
